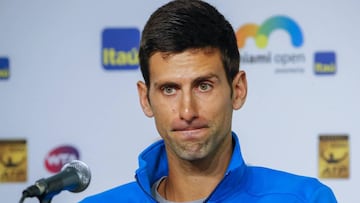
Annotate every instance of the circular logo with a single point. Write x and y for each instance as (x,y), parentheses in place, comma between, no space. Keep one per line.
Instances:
(59,156)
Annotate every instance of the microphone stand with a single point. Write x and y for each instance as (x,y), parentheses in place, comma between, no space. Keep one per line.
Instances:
(44,199)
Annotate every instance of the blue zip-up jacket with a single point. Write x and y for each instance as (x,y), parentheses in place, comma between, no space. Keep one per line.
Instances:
(241,183)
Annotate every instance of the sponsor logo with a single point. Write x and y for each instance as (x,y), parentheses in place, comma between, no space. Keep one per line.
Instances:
(59,156)
(286,61)
(4,68)
(334,160)
(262,33)
(13,161)
(325,63)
(120,48)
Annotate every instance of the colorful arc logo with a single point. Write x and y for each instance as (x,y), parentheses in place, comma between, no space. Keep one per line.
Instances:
(262,33)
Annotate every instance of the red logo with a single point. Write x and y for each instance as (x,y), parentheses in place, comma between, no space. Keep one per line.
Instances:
(59,156)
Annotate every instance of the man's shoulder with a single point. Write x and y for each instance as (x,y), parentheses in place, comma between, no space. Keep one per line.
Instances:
(129,191)
(281,177)
(266,181)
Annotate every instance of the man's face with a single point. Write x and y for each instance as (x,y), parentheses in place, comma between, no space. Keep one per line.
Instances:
(190,100)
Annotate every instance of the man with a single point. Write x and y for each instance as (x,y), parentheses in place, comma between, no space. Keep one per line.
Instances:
(190,63)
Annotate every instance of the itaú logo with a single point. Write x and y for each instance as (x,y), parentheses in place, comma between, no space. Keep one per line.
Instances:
(262,33)
(4,68)
(59,156)
(120,48)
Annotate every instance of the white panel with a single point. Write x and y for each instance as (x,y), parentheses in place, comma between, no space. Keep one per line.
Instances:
(58,93)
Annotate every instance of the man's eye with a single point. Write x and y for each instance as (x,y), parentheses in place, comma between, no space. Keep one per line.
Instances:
(203,87)
(168,90)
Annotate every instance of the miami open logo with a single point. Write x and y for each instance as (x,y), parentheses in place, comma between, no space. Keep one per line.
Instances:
(262,33)
(287,59)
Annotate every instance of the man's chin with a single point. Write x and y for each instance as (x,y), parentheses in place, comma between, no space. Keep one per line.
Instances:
(193,155)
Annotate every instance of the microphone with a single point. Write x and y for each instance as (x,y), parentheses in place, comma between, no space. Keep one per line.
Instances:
(74,176)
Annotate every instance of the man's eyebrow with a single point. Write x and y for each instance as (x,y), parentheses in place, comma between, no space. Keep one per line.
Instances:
(164,83)
(206,77)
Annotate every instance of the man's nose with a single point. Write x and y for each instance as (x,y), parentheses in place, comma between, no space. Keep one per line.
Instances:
(188,107)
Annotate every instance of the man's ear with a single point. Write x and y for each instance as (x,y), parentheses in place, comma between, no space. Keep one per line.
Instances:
(144,100)
(239,86)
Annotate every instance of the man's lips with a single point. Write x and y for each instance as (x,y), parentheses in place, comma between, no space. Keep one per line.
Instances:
(183,126)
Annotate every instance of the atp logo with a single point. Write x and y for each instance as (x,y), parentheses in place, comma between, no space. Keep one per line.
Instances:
(120,48)
(262,33)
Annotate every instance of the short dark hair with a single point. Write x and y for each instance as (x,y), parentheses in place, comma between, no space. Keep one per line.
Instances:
(185,24)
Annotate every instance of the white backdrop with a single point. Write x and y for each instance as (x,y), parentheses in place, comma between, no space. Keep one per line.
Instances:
(58,92)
